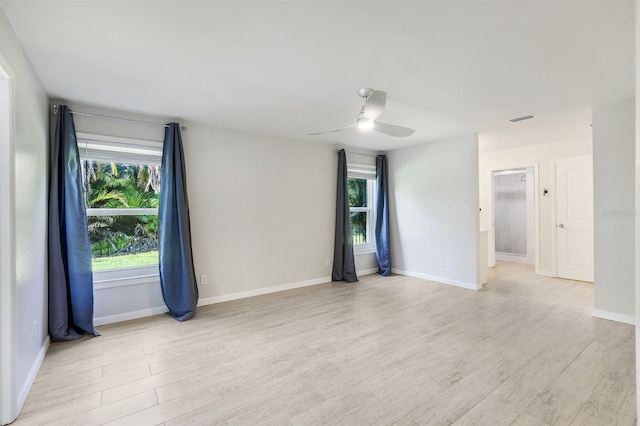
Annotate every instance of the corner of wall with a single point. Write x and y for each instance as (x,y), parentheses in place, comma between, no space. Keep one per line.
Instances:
(434,214)
(440,280)
(614,202)
(33,372)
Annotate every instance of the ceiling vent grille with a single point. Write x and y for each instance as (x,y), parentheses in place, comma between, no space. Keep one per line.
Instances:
(523,118)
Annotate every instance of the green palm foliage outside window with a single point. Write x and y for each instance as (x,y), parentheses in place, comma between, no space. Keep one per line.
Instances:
(358,199)
(122,240)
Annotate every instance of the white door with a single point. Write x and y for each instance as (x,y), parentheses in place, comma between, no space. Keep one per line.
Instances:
(574,218)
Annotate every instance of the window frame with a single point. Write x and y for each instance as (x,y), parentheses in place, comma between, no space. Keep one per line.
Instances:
(368,173)
(128,151)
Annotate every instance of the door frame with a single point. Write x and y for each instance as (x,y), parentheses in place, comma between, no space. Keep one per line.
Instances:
(8,322)
(536,212)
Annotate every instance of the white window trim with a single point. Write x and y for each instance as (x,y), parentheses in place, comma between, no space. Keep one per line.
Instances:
(125,277)
(361,171)
(119,144)
(364,171)
(122,212)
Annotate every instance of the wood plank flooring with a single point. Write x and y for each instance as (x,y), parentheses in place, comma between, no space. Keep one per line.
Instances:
(385,351)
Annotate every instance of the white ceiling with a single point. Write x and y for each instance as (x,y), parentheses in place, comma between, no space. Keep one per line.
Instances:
(288,68)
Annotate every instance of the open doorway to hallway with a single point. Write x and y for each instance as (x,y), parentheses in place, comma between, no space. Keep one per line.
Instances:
(514,210)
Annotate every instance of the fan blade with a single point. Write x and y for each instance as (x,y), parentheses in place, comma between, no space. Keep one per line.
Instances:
(331,131)
(393,130)
(375,105)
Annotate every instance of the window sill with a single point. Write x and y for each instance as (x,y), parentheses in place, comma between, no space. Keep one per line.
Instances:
(105,283)
(357,252)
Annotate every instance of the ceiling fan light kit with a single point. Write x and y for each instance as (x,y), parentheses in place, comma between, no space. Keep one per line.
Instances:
(374,102)
(364,124)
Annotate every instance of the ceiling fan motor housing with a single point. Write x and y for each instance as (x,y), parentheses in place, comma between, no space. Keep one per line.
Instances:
(365,92)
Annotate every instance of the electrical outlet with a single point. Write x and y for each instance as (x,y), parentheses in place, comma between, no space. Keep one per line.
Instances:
(327,261)
(441,263)
(203,279)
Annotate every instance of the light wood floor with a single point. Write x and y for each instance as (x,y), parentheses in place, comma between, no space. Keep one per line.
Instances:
(398,350)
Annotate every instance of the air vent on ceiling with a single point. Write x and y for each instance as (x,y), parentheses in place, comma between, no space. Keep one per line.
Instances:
(523,118)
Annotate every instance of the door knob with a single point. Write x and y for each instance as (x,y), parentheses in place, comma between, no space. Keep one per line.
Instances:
(561,226)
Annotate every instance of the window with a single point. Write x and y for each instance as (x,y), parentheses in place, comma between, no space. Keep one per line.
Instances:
(361,184)
(121,182)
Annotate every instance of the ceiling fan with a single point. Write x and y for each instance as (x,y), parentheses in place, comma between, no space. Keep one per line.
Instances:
(374,101)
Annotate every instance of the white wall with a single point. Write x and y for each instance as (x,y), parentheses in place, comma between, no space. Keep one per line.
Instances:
(262,212)
(7,322)
(262,209)
(115,127)
(29,281)
(433,215)
(637,194)
(614,210)
(366,263)
(541,157)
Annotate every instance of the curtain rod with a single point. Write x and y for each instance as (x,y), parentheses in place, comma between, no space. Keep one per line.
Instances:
(55,108)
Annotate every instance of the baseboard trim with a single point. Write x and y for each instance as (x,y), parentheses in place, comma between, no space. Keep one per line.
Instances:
(126,316)
(31,377)
(612,316)
(261,291)
(441,280)
(514,258)
(546,274)
(368,271)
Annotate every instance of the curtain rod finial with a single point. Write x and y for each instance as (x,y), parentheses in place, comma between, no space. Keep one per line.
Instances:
(54,109)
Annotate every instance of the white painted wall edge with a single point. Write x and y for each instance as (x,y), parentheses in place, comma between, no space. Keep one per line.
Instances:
(469,286)
(612,316)
(26,387)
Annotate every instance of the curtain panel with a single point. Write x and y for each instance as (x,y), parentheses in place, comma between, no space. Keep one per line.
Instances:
(344,266)
(383,250)
(177,273)
(69,258)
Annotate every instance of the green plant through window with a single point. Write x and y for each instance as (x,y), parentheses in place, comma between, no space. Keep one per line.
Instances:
(359,209)
(122,201)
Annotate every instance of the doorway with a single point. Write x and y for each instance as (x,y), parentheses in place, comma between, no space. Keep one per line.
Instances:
(514,211)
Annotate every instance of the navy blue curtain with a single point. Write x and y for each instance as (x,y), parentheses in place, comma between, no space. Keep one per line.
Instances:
(383,252)
(69,262)
(344,265)
(177,274)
